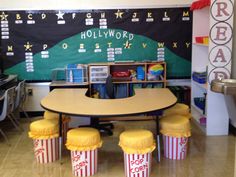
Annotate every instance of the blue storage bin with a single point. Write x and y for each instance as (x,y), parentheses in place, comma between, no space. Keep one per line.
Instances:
(200,102)
(77,75)
(69,75)
(199,77)
(140,73)
(72,66)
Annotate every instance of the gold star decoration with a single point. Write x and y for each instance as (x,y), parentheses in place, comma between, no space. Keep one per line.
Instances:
(28,46)
(127,45)
(3,16)
(119,14)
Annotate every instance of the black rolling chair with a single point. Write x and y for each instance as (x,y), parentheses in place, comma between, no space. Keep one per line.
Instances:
(110,87)
(95,122)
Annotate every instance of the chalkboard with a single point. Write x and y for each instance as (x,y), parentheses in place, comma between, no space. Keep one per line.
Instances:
(36,42)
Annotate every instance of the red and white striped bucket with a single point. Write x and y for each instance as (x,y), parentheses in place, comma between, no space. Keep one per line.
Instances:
(175,148)
(84,163)
(137,165)
(46,150)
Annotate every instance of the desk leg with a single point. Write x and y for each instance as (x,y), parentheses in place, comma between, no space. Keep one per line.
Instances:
(158,140)
(60,137)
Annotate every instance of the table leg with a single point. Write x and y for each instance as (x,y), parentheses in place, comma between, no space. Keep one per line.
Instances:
(158,140)
(60,137)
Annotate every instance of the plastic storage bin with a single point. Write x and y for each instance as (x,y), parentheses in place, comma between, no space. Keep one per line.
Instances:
(140,73)
(76,73)
(200,102)
(200,77)
(202,40)
(98,74)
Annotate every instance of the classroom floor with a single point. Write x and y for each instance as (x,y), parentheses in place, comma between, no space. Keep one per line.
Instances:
(207,156)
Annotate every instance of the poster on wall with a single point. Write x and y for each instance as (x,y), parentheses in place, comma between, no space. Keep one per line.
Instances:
(36,42)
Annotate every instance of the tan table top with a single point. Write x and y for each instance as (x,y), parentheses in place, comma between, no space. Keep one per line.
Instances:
(75,102)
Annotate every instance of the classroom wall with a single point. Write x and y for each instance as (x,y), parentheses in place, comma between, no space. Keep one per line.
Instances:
(100,4)
(35,93)
(85,4)
(39,90)
(42,90)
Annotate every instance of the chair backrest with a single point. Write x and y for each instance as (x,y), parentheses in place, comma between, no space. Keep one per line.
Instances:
(20,93)
(8,103)
(110,87)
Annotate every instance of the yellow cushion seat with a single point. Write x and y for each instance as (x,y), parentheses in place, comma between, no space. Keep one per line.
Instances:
(44,129)
(178,108)
(175,126)
(53,115)
(137,141)
(83,139)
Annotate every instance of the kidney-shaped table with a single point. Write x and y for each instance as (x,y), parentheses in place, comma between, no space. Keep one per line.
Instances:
(75,102)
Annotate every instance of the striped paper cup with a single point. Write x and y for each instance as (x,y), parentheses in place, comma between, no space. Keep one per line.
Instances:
(84,163)
(46,150)
(137,165)
(175,148)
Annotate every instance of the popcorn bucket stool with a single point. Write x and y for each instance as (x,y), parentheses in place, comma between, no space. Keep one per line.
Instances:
(137,146)
(83,144)
(65,122)
(176,132)
(45,135)
(179,109)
